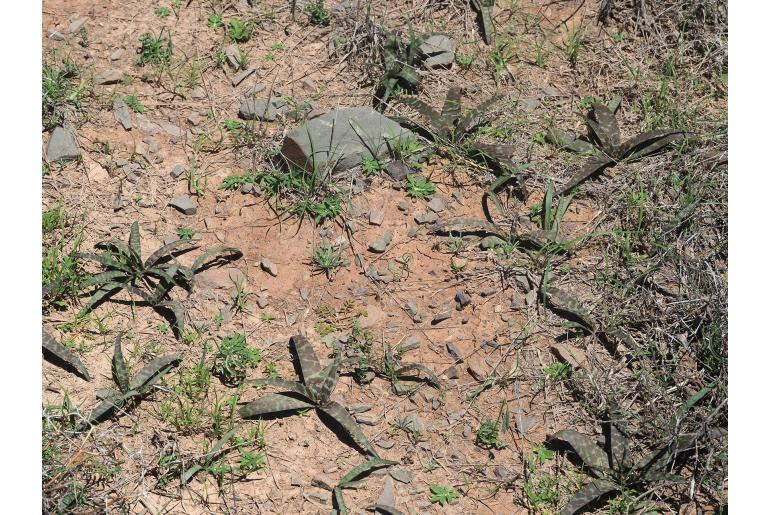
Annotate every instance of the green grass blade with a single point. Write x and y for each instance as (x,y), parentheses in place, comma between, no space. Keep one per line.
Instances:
(273,403)
(210,456)
(338,412)
(153,372)
(119,369)
(63,354)
(591,454)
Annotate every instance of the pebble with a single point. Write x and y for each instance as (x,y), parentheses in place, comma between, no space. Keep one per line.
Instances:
(263,301)
(401,475)
(411,307)
(367,419)
(320,497)
(436,204)
(184,204)
(476,372)
(76,25)
(62,146)
(122,113)
(108,77)
(56,35)
(458,197)
(426,218)
(117,54)
(331,468)
(269,267)
(254,90)
(177,171)
(524,423)
(358,408)
(451,373)
(404,207)
(232,55)
(410,343)
(304,293)
(198,93)
(321,481)
(388,495)
(377,216)
(243,76)
(441,316)
(503,473)
(467,431)
(487,292)
(295,479)
(454,351)
(490,242)
(462,299)
(381,243)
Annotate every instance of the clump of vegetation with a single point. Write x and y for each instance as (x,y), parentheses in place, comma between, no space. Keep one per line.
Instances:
(419,187)
(327,258)
(443,494)
(234,359)
(239,31)
(604,146)
(129,392)
(312,392)
(300,193)
(59,91)
(154,50)
(318,13)
(134,103)
(151,279)
(399,66)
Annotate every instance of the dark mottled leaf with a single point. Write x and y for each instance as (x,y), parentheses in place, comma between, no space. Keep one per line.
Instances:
(450,112)
(179,315)
(427,112)
(336,411)
(124,249)
(105,277)
(273,403)
(588,494)
(134,240)
(308,361)
(291,386)
(604,127)
(323,384)
(168,250)
(228,254)
(484,7)
(591,454)
(568,140)
(619,453)
(103,293)
(63,354)
(461,226)
(592,166)
(119,368)
(153,372)
(103,410)
(339,501)
(660,475)
(363,468)
(107,261)
(614,104)
(692,401)
(648,143)
(403,373)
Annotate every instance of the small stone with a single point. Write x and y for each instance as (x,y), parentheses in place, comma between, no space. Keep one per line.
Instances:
(487,292)
(177,171)
(458,263)
(385,443)
(401,475)
(76,25)
(254,90)
(243,76)
(524,423)
(247,188)
(411,307)
(441,316)
(410,343)
(528,105)
(462,299)
(412,232)
(380,244)
(131,170)
(451,373)
(117,54)
(354,409)
(232,55)
(198,93)
(457,456)
(262,109)
(108,77)
(458,196)
(62,146)
(438,51)
(367,419)
(398,170)
(263,301)
(269,267)
(217,278)
(467,431)
(403,207)
(455,352)
(503,473)
(184,204)
(56,35)
(376,216)
(295,479)
(304,293)
(319,496)
(475,370)
(436,404)
(331,468)
(153,147)
(122,113)
(321,481)
(388,495)
(427,218)
(572,355)
(436,204)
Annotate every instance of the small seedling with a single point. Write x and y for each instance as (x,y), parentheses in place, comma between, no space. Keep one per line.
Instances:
(162,12)
(313,392)
(234,359)
(442,494)
(239,31)
(133,102)
(371,165)
(465,61)
(488,435)
(557,371)
(185,233)
(327,257)
(234,182)
(419,188)
(214,21)
(154,50)
(318,13)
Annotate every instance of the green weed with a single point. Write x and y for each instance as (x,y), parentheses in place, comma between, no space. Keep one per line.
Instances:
(234,359)
(154,50)
(318,13)
(239,31)
(133,102)
(442,494)
(327,257)
(420,187)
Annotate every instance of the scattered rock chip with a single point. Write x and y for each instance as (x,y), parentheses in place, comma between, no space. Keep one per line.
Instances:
(198,93)
(436,204)
(442,315)
(376,216)
(354,409)
(263,301)
(381,243)
(76,25)
(117,54)
(398,170)
(321,481)
(62,146)
(401,475)
(243,76)
(368,419)
(319,496)
(269,267)
(524,423)
(111,76)
(451,373)
(232,56)
(122,113)
(455,352)
(304,293)
(262,109)
(438,51)
(487,292)
(295,479)
(462,299)
(388,495)
(254,90)
(56,35)
(410,343)
(184,204)
(477,372)
(572,355)
(426,218)
(385,443)
(177,171)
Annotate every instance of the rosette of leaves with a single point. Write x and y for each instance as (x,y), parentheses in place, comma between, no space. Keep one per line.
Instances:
(151,279)
(353,479)
(62,356)
(603,144)
(313,391)
(129,392)
(613,466)
(399,62)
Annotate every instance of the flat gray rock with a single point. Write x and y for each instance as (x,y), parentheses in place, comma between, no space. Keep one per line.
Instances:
(454,351)
(388,495)
(177,171)
(269,267)
(254,90)
(117,54)
(62,146)
(381,243)
(232,55)
(76,25)
(426,218)
(262,109)
(438,51)
(376,216)
(56,35)
(341,138)
(243,76)
(398,170)
(112,76)
(489,242)
(184,204)
(122,113)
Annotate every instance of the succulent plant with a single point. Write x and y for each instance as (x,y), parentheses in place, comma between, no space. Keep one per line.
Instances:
(484,8)
(604,145)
